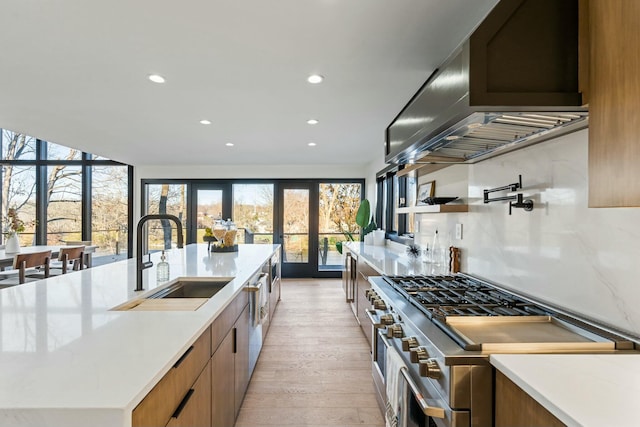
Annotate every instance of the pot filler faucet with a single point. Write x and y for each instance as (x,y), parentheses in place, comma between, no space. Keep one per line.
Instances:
(144,265)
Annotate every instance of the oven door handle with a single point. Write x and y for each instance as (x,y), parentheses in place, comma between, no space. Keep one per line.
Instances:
(431,411)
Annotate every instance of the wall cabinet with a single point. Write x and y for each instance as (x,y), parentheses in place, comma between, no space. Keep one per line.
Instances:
(515,408)
(614,101)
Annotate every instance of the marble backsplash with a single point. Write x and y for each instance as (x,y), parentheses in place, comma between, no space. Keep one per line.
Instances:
(566,254)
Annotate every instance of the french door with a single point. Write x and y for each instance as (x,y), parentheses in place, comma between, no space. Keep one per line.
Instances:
(297,200)
(307,217)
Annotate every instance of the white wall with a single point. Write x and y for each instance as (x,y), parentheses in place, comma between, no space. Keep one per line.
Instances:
(562,252)
(250,171)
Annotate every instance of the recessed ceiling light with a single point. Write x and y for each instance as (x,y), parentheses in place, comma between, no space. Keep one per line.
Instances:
(315,78)
(229,144)
(205,122)
(312,121)
(451,137)
(156,78)
(311,144)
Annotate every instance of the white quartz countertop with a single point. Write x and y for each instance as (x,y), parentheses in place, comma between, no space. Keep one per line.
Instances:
(389,260)
(588,390)
(67,360)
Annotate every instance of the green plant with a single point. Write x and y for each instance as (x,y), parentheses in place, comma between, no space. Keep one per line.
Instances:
(365,221)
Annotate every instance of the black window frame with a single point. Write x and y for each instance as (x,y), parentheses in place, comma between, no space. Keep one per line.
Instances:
(86,163)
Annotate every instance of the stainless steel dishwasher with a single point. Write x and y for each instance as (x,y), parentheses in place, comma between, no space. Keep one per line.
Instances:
(259,308)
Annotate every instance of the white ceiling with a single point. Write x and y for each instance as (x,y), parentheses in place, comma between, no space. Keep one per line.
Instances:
(75,72)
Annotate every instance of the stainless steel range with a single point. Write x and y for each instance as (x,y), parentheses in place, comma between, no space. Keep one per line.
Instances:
(445,328)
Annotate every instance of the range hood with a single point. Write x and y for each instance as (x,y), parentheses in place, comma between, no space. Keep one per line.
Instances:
(514,82)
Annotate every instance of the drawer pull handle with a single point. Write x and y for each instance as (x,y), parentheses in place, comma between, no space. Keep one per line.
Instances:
(182,404)
(184,356)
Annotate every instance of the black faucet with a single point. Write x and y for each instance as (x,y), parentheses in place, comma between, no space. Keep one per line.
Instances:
(144,265)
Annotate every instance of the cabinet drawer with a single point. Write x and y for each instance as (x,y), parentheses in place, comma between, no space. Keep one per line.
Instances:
(224,322)
(195,407)
(159,405)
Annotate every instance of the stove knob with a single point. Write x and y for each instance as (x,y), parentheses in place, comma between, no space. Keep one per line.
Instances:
(379,304)
(429,368)
(418,354)
(386,319)
(369,293)
(395,331)
(409,343)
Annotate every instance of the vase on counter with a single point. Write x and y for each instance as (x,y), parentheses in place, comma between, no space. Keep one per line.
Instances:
(368,239)
(12,244)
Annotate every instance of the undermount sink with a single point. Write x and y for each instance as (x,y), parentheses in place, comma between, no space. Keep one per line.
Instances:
(180,295)
(192,288)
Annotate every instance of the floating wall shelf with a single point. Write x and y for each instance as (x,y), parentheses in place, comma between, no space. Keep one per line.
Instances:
(434,209)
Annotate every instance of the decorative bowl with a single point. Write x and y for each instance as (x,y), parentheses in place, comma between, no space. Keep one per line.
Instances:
(438,200)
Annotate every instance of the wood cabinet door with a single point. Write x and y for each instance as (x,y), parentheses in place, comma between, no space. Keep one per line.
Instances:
(223,383)
(161,402)
(515,408)
(242,375)
(195,408)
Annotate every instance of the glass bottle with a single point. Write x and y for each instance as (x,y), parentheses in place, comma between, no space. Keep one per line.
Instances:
(436,255)
(162,269)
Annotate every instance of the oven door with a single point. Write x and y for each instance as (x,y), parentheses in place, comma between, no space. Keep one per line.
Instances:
(420,405)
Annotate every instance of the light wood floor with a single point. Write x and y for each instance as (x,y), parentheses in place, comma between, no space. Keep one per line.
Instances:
(315,365)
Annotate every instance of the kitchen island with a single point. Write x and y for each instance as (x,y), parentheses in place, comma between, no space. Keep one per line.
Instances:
(585,390)
(67,359)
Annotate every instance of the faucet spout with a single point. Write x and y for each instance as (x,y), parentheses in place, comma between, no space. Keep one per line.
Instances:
(144,265)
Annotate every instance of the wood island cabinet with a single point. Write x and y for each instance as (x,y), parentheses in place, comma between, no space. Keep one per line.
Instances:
(241,356)
(515,408)
(206,385)
(195,409)
(164,400)
(223,383)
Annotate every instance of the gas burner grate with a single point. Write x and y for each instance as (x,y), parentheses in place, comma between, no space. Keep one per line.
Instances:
(442,296)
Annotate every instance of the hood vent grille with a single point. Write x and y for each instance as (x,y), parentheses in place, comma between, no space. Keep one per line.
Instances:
(485,133)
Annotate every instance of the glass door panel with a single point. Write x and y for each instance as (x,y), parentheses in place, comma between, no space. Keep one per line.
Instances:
(296,225)
(338,204)
(165,198)
(208,208)
(253,212)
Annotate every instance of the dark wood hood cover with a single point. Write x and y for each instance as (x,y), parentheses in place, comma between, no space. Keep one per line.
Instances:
(521,62)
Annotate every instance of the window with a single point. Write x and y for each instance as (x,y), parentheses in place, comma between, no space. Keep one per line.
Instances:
(59,152)
(170,199)
(64,195)
(64,204)
(253,212)
(110,210)
(18,191)
(17,146)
